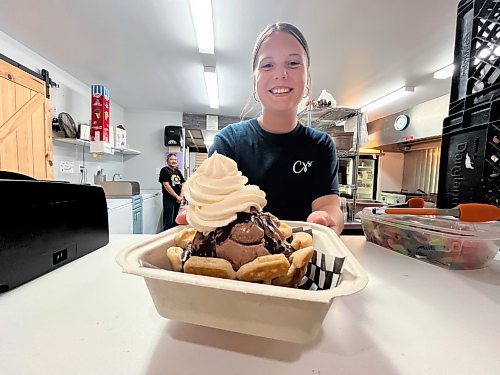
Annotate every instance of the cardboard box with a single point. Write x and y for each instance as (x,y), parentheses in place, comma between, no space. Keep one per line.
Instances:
(121,137)
(99,127)
(84,132)
(112,135)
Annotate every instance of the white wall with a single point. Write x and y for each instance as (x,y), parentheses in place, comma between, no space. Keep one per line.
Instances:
(110,164)
(145,131)
(390,176)
(73,97)
(192,162)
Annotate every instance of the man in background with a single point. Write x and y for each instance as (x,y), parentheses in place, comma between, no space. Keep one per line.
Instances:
(172,184)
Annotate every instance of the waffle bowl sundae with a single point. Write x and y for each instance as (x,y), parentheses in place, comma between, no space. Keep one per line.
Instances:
(230,236)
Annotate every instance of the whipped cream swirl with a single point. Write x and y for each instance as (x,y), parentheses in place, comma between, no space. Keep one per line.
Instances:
(217,191)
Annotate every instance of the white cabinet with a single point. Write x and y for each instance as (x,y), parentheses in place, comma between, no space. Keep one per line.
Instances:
(120,219)
(152,209)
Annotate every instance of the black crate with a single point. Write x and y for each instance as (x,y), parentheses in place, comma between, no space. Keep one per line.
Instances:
(470,157)
(477,54)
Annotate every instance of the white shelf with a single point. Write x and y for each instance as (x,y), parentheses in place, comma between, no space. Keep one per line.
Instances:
(81,142)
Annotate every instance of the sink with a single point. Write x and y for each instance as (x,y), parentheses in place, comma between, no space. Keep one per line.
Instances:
(121,188)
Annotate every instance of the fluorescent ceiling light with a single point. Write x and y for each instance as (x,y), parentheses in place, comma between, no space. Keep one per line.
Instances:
(212,86)
(445,72)
(395,95)
(201,11)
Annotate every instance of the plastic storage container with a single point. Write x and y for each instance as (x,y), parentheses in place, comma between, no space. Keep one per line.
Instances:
(470,157)
(446,242)
(477,64)
(269,311)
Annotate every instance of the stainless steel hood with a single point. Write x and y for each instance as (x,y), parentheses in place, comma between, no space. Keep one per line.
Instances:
(425,125)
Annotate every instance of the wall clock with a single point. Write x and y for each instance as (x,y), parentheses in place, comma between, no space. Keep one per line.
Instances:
(401,122)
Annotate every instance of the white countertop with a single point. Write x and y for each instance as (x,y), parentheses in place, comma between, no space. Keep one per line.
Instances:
(114,203)
(413,318)
(149,193)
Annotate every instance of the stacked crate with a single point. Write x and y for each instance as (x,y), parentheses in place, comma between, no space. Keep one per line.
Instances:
(470,151)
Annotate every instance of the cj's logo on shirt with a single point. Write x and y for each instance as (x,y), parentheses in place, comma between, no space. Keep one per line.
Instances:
(301,166)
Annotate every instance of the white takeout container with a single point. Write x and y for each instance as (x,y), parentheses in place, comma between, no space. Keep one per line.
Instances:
(275,312)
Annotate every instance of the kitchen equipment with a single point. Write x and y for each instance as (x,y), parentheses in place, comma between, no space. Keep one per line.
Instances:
(471,212)
(99,179)
(443,241)
(411,203)
(398,197)
(46,224)
(424,124)
(123,189)
(152,209)
(263,310)
(361,204)
(120,217)
(367,177)
(137,214)
(392,197)
(67,125)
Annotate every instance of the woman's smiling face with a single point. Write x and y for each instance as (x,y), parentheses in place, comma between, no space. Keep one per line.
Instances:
(281,72)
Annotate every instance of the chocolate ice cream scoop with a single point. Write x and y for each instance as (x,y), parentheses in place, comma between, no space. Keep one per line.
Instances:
(239,254)
(247,233)
(251,235)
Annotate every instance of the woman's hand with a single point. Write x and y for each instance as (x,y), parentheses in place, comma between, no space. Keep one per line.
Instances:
(322,218)
(326,211)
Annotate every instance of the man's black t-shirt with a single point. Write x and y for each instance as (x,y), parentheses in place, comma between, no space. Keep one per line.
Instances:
(174,178)
(293,169)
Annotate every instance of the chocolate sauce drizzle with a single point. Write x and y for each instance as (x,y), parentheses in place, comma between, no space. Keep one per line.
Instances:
(205,245)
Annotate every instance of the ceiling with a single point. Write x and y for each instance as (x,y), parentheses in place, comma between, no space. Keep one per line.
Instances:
(195,140)
(145,51)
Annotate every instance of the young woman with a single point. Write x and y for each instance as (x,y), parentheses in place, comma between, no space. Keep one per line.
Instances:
(296,166)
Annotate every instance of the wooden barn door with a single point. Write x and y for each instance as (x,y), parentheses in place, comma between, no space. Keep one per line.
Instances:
(25,124)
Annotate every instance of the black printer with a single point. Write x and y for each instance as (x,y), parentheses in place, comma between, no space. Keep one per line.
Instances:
(46,224)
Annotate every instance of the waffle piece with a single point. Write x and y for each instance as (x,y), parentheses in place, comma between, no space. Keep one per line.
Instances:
(298,266)
(174,254)
(301,240)
(286,230)
(264,268)
(206,266)
(184,237)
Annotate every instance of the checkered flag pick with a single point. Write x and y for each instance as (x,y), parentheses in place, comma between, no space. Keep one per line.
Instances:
(323,272)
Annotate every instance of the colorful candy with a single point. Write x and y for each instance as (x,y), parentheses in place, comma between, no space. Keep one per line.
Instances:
(445,242)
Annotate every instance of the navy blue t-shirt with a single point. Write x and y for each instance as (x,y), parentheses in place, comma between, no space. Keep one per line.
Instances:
(293,169)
